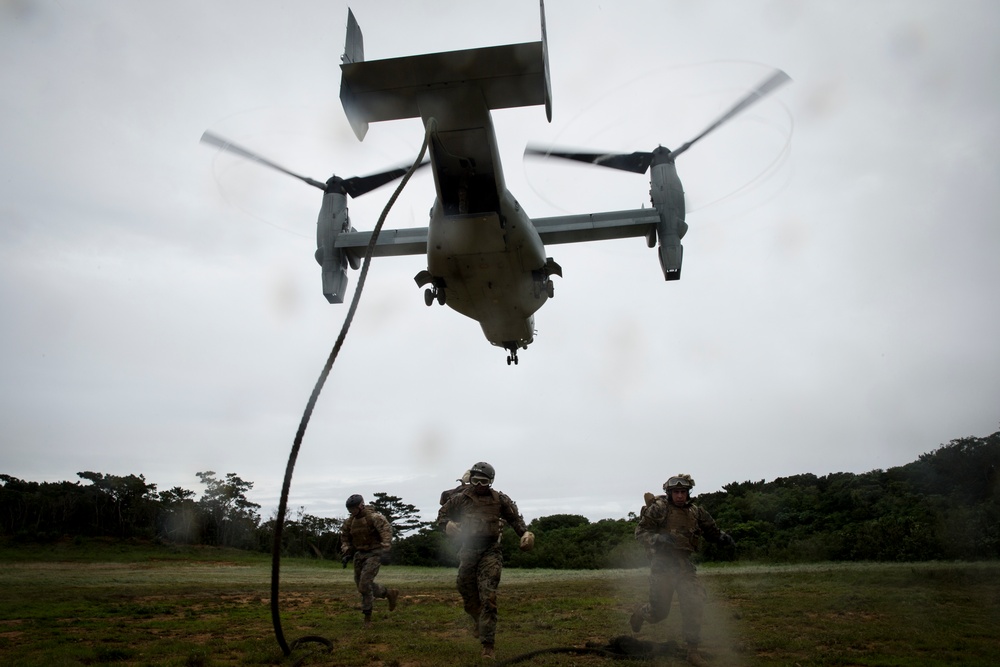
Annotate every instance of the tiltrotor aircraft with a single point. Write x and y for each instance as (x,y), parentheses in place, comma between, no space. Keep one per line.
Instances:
(486,257)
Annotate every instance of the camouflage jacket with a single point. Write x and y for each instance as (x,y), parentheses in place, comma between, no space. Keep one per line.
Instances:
(447,494)
(367,531)
(481,517)
(665,528)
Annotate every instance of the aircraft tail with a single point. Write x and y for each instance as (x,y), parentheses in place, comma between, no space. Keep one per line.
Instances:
(512,75)
(354,49)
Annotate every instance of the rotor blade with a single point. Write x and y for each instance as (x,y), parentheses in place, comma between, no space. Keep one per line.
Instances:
(226,145)
(637,162)
(359,185)
(775,80)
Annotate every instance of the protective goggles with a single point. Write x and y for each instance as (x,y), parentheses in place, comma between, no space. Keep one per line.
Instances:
(480,481)
(675,482)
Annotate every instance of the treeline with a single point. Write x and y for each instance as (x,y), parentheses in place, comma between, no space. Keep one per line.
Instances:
(945,505)
(562,541)
(129,507)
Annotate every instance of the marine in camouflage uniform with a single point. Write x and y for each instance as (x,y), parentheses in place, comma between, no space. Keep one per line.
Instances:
(367,536)
(448,493)
(671,528)
(474,515)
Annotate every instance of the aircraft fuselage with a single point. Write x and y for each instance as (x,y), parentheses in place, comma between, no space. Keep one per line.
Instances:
(482,249)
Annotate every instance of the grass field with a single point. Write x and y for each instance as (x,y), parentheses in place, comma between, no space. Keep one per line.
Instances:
(125,605)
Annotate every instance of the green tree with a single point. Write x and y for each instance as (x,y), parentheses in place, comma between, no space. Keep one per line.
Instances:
(229,518)
(556,521)
(571,541)
(124,506)
(178,520)
(403,517)
(305,535)
(427,547)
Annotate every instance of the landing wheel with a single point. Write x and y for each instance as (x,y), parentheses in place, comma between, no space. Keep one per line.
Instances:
(428,296)
(440,296)
(508,360)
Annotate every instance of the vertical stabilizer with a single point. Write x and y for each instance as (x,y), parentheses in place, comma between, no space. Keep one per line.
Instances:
(354,52)
(545,63)
(354,48)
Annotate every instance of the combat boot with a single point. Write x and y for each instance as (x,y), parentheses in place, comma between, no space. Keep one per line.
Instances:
(488,653)
(392,595)
(695,658)
(636,620)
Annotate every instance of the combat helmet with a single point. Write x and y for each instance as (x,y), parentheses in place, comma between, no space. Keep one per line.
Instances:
(482,469)
(682,481)
(354,501)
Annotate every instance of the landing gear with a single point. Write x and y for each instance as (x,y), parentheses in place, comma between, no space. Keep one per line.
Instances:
(512,357)
(542,279)
(436,290)
(434,294)
(546,286)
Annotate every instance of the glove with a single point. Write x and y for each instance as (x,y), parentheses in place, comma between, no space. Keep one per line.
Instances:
(345,549)
(452,529)
(385,556)
(527,541)
(726,540)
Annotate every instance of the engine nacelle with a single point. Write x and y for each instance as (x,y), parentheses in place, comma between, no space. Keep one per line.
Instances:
(332,221)
(671,254)
(667,195)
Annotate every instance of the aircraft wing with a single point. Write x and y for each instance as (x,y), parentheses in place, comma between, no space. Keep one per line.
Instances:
(560,229)
(390,242)
(597,226)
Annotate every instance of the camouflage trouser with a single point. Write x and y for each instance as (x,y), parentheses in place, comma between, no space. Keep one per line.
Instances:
(669,573)
(366,566)
(479,573)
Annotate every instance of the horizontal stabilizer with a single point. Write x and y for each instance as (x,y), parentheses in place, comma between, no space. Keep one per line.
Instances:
(512,75)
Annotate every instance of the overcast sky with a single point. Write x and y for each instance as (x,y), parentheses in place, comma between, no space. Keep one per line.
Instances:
(162,312)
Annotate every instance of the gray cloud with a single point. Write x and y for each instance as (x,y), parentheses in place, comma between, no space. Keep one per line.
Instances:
(162,311)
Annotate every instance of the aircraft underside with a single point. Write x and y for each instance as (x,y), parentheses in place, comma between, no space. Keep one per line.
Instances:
(491,268)
(501,297)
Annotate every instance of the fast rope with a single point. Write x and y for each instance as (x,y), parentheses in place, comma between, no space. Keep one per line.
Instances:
(293,455)
(622,647)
